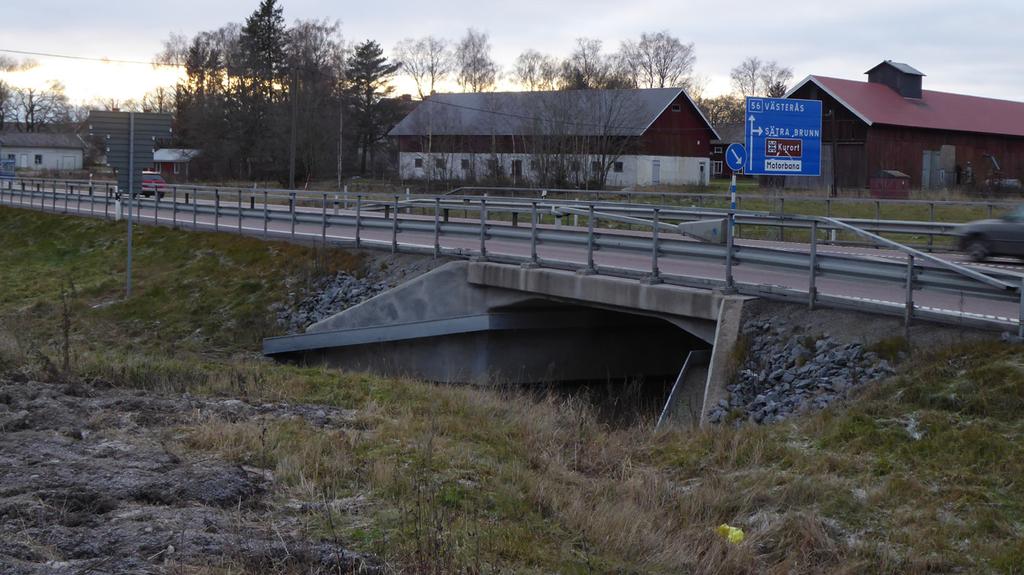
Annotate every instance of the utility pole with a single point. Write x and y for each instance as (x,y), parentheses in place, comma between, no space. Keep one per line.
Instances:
(293,93)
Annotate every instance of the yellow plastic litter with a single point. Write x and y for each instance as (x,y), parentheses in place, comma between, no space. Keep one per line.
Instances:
(731,534)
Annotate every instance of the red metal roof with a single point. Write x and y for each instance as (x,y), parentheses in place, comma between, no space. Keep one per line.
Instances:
(879,104)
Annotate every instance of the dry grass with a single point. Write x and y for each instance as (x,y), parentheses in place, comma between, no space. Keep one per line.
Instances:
(439,479)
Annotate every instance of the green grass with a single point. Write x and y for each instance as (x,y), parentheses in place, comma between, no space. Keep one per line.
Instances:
(918,474)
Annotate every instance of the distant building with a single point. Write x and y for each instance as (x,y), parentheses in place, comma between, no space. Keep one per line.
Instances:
(40,151)
(938,139)
(727,134)
(174,163)
(618,138)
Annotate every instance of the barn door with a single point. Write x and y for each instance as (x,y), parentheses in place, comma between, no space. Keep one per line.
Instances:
(930,170)
(655,172)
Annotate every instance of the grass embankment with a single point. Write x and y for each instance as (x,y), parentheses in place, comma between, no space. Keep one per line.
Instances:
(919,474)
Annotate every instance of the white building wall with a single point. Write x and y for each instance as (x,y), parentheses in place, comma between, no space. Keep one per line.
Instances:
(636,170)
(52,158)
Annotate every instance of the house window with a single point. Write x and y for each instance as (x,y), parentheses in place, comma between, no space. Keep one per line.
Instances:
(494,168)
(677,108)
(439,163)
(617,167)
(177,168)
(418,162)
(718,149)
(517,168)
(595,166)
(39,159)
(465,165)
(716,167)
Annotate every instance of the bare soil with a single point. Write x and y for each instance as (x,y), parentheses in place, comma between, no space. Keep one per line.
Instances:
(94,480)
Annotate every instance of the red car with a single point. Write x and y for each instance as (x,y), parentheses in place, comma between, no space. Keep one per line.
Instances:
(153,182)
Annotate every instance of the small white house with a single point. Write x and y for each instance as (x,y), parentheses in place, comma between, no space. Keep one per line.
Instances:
(37,151)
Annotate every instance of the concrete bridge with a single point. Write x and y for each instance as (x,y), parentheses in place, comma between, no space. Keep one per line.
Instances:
(488,323)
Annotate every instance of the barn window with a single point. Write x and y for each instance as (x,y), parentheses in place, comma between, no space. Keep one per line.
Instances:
(716,167)
(677,108)
(439,163)
(595,166)
(418,162)
(177,168)
(39,159)
(617,166)
(718,149)
(465,165)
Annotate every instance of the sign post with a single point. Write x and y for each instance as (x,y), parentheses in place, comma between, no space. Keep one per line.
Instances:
(129,139)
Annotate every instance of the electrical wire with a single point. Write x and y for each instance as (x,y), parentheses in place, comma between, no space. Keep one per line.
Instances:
(88,58)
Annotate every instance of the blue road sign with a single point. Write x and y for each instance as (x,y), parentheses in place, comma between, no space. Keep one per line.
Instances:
(736,157)
(783,137)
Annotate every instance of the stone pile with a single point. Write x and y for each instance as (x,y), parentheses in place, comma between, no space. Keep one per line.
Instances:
(331,295)
(787,373)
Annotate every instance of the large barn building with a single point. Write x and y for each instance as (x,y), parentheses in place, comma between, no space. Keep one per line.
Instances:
(890,123)
(618,138)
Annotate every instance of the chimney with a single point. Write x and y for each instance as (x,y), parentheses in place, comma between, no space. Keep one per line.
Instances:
(903,78)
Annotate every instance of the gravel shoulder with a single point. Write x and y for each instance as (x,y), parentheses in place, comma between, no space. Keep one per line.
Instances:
(93,480)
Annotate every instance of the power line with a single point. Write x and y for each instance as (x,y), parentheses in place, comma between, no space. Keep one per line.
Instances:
(88,59)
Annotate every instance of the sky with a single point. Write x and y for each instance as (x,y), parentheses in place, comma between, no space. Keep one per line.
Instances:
(966,47)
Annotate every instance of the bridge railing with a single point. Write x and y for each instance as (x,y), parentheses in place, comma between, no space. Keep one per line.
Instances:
(419,224)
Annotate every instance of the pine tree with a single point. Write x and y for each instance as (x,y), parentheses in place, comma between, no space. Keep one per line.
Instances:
(261,78)
(373,114)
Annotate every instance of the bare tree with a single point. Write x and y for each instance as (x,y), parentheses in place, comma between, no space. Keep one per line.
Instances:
(37,108)
(174,51)
(7,105)
(9,64)
(586,67)
(476,71)
(658,60)
(746,78)
(428,61)
(536,71)
(159,99)
(724,109)
(775,79)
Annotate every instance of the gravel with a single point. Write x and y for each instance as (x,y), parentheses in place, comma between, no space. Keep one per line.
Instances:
(787,373)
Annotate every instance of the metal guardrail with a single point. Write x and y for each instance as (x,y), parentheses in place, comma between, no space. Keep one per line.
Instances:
(239,209)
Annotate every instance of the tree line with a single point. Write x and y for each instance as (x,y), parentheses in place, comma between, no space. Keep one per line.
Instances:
(267,101)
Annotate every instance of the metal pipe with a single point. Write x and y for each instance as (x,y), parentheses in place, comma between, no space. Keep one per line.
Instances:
(323,220)
(359,210)
(437,227)
(394,228)
(590,242)
(483,229)
(533,233)
(812,289)
(655,273)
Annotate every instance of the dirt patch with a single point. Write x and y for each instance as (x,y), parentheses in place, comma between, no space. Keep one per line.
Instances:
(92,480)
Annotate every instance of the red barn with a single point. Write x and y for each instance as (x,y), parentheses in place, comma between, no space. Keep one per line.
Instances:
(569,137)
(889,123)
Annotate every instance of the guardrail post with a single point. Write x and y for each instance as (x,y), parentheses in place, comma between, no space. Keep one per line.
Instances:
(437,227)
(66,192)
(1020,312)
(812,285)
(387,212)
(156,206)
(216,209)
(359,214)
(174,207)
(252,202)
(515,219)
(446,214)
(291,209)
(655,272)
(323,220)
(394,228)
(533,237)
(931,219)
(54,202)
(195,208)
(336,204)
(344,191)
(878,211)
(483,230)
(266,214)
(239,212)
(729,243)
(989,211)
(908,313)
(590,269)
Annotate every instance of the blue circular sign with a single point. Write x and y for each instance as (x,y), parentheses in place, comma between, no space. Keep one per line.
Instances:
(735,157)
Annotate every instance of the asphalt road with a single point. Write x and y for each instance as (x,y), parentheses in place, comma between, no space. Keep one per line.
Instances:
(696,269)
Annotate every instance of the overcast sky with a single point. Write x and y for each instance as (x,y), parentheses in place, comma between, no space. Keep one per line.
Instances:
(967,47)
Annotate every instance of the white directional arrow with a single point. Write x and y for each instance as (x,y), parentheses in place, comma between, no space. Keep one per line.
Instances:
(750,148)
(757,131)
